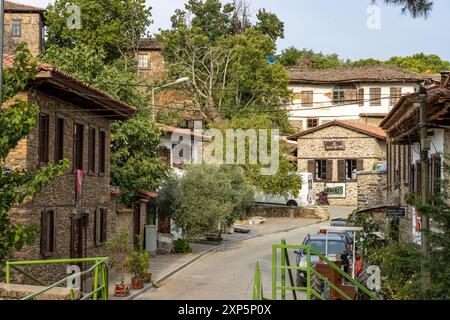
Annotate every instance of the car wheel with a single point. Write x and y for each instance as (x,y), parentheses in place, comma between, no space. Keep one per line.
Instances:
(292,203)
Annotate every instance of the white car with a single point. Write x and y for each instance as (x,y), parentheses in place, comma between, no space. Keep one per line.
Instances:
(305,197)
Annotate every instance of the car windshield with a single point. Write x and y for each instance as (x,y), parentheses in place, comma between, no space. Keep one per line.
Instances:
(334,247)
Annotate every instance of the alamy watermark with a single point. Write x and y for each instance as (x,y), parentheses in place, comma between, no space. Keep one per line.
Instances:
(232,147)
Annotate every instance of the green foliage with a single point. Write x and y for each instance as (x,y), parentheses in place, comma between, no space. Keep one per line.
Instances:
(182,246)
(111,26)
(168,194)
(420,63)
(294,57)
(118,249)
(416,8)
(19,185)
(209,197)
(135,161)
(229,69)
(138,262)
(286,181)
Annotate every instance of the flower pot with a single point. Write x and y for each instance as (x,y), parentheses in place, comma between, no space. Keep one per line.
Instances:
(121,290)
(137,284)
(148,277)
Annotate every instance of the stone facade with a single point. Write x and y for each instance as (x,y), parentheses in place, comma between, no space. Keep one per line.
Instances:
(366,149)
(371,189)
(315,212)
(156,70)
(32,26)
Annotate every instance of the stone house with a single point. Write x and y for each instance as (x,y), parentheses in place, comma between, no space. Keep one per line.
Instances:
(23,23)
(334,152)
(75,212)
(364,94)
(404,162)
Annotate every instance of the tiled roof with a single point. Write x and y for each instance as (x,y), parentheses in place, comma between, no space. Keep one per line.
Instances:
(18,7)
(170,129)
(378,73)
(69,80)
(352,125)
(150,44)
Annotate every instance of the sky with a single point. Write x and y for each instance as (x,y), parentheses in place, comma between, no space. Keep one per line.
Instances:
(336,26)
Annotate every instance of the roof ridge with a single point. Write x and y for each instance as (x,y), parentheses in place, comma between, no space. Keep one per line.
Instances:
(12,5)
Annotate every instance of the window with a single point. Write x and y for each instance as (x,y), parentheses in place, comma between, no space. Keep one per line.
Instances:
(307,98)
(48,232)
(59,139)
(396,94)
(143,61)
(91,156)
(78,146)
(43,138)
(345,94)
(102,151)
(338,97)
(375,97)
(361,98)
(16,28)
(312,123)
(100,226)
(165,154)
(321,170)
(350,169)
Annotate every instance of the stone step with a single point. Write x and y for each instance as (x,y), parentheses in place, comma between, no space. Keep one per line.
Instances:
(18,291)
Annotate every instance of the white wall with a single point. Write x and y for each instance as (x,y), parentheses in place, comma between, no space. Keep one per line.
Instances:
(324,110)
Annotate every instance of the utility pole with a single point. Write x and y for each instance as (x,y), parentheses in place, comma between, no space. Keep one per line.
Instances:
(425,163)
(2,25)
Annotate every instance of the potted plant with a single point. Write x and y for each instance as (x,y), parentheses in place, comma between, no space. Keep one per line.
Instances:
(138,264)
(119,248)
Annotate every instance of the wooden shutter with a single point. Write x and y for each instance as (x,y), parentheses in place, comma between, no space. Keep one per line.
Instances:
(361,97)
(59,139)
(103,219)
(341,171)
(44,233)
(97,227)
(360,165)
(102,151)
(375,97)
(91,151)
(48,232)
(312,168)
(419,177)
(329,170)
(43,138)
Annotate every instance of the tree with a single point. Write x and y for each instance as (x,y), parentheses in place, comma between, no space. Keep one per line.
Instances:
(19,185)
(294,57)
(209,196)
(420,63)
(229,69)
(286,181)
(415,7)
(113,27)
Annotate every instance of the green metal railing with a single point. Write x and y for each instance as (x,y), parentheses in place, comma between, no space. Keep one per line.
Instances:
(100,270)
(309,270)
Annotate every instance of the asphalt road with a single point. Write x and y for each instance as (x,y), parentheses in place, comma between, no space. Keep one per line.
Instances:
(228,274)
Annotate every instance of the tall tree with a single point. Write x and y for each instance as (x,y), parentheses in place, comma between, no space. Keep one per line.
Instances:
(113,27)
(19,185)
(415,7)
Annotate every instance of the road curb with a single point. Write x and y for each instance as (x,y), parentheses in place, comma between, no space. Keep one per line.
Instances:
(149,286)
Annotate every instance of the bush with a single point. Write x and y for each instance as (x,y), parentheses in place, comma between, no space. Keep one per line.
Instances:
(182,246)
(138,263)
(118,248)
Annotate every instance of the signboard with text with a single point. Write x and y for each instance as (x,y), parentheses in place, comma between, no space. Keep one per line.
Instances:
(397,212)
(334,145)
(336,190)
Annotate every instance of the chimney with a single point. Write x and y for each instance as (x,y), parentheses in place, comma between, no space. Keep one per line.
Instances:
(445,78)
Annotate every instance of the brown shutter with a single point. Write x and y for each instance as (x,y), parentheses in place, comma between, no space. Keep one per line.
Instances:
(329,170)
(97,227)
(53,238)
(104,224)
(44,233)
(360,165)
(312,168)
(361,97)
(419,177)
(341,170)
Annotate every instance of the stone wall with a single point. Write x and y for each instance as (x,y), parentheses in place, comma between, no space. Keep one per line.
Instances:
(32,28)
(315,212)
(59,195)
(371,189)
(157,69)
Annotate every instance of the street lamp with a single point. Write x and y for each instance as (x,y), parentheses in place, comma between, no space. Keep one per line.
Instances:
(165,86)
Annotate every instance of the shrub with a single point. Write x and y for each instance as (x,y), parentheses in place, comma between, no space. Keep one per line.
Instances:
(182,246)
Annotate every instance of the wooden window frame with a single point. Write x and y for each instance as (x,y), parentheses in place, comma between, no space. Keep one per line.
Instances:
(100,226)
(48,232)
(347,169)
(78,142)
(308,126)
(102,152)
(321,170)
(141,64)
(92,145)
(393,98)
(14,24)
(44,138)
(308,96)
(375,97)
(59,138)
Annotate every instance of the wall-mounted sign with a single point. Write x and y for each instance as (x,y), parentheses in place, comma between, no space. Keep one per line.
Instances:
(397,212)
(334,145)
(336,190)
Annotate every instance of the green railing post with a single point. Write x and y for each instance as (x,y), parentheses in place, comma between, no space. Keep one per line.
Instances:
(105,282)
(257,283)
(8,272)
(283,272)
(95,283)
(308,273)
(274,273)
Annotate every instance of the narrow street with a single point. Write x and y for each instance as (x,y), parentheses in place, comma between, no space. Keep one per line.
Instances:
(228,274)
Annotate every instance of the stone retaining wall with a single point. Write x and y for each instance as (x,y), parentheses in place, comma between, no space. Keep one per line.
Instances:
(315,212)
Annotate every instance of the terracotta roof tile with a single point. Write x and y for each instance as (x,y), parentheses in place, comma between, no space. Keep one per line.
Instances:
(352,125)
(150,44)
(378,73)
(18,7)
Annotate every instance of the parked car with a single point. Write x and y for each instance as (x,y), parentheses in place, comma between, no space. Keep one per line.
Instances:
(305,197)
(338,244)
